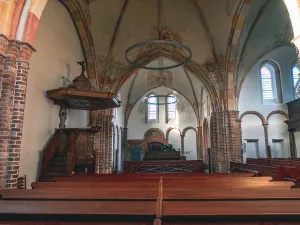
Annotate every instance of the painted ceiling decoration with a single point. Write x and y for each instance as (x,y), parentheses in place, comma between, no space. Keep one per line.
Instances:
(161,39)
(218,34)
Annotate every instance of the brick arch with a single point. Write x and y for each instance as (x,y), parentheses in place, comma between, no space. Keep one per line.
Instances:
(130,106)
(169,130)
(15,9)
(177,56)
(237,26)
(187,129)
(154,135)
(262,118)
(277,112)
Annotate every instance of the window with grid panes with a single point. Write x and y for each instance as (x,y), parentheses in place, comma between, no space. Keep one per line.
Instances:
(171,107)
(267,83)
(296,72)
(152,107)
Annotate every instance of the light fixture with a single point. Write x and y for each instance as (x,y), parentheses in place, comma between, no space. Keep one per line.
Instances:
(164,101)
(170,46)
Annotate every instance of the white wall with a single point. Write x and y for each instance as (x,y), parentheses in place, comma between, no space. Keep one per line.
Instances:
(250,100)
(186,118)
(58,50)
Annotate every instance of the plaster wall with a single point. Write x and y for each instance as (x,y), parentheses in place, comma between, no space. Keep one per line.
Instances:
(186,118)
(251,100)
(267,27)
(58,49)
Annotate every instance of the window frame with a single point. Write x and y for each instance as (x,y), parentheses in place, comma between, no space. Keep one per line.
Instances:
(275,80)
(147,109)
(295,64)
(167,108)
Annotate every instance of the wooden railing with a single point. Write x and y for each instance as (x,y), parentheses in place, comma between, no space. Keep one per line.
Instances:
(49,151)
(71,153)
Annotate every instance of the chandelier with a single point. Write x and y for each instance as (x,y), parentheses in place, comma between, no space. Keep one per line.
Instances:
(160,99)
(156,45)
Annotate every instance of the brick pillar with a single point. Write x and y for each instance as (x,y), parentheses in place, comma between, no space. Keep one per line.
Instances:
(267,146)
(16,127)
(200,149)
(226,140)
(125,149)
(102,142)
(6,106)
(3,132)
(106,159)
(97,140)
(293,147)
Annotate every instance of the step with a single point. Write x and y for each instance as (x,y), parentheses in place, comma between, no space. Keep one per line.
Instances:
(57,167)
(55,173)
(58,160)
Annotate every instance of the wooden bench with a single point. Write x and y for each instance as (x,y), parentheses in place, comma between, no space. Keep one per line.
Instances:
(149,206)
(121,177)
(286,170)
(92,177)
(179,183)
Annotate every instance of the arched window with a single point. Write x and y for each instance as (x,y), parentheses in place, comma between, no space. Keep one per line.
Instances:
(270,83)
(171,107)
(152,107)
(296,72)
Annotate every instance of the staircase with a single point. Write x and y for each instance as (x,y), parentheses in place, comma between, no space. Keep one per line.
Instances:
(58,155)
(56,167)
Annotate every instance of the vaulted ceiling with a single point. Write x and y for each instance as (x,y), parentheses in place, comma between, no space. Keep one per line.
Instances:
(219,32)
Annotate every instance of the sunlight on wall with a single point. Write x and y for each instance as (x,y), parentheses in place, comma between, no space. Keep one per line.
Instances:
(293,7)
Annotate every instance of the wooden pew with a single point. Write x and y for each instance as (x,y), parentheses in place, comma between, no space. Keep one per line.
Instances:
(147,194)
(173,183)
(80,177)
(259,207)
(163,174)
(287,169)
(259,170)
(108,184)
(124,178)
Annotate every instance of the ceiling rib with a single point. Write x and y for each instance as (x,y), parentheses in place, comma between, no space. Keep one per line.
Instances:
(112,43)
(206,29)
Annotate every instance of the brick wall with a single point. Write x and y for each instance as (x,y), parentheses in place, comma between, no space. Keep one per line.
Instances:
(14,61)
(225,139)
(103,140)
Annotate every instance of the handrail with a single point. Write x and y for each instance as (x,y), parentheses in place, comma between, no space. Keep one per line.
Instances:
(49,151)
(71,153)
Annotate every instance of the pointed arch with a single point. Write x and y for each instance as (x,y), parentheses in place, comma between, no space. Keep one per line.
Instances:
(177,56)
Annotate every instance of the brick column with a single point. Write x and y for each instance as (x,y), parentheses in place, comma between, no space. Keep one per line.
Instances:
(3,132)
(267,146)
(97,140)
(16,126)
(125,149)
(102,142)
(106,159)
(226,140)
(9,74)
(293,147)
(200,149)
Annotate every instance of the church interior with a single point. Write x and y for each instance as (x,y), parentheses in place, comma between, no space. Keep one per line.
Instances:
(150,112)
